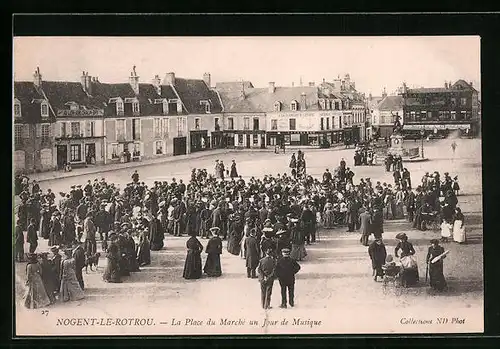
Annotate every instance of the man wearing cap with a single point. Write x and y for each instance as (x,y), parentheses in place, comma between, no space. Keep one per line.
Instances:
(266,269)
(79,256)
(135,177)
(19,242)
(252,254)
(89,231)
(286,268)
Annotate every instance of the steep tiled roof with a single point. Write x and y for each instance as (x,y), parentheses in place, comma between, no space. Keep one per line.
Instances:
(261,100)
(147,92)
(192,91)
(374,102)
(26,92)
(430,90)
(168,92)
(233,86)
(106,91)
(391,103)
(61,92)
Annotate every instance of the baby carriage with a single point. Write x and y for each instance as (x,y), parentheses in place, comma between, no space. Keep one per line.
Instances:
(392,276)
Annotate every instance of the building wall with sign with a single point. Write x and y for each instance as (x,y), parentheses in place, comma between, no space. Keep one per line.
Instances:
(245,130)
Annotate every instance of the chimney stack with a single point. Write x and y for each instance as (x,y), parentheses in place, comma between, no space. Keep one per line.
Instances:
(206,78)
(446,84)
(134,80)
(271,88)
(88,84)
(157,84)
(169,79)
(37,77)
(384,93)
(470,83)
(303,104)
(370,97)
(311,84)
(242,90)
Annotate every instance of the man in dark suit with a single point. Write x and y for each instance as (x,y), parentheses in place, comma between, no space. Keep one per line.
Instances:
(286,268)
(266,278)
(366,220)
(79,256)
(410,205)
(252,254)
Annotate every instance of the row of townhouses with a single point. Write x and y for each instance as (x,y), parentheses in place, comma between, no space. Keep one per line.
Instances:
(423,111)
(90,123)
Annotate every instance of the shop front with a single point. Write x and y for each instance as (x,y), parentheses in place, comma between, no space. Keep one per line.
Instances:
(439,130)
(79,151)
(217,141)
(199,141)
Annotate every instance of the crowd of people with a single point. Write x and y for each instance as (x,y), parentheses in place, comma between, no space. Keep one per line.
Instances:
(267,221)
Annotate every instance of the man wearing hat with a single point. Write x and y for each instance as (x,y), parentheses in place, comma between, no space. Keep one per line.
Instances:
(252,253)
(55,262)
(55,229)
(266,269)
(286,268)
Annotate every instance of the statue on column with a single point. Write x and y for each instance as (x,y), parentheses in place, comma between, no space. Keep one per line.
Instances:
(397,128)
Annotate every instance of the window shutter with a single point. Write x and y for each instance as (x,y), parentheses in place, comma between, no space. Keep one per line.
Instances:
(87,129)
(179,107)
(38,131)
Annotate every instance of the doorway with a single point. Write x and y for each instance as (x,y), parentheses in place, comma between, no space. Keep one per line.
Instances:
(248,141)
(62,156)
(90,153)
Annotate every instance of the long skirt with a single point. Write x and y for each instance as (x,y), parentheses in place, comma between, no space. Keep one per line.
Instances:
(446,230)
(36,296)
(212,265)
(192,266)
(70,288)
(329,219)
(459,234)
(112,271)
(436,276)
(298,252)
(144,253)
(410,277)
(234,243)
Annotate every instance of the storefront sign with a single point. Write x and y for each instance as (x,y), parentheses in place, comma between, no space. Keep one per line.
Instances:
(80,112)
(437,127)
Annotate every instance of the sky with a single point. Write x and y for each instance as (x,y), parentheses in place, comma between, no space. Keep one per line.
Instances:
(372,62)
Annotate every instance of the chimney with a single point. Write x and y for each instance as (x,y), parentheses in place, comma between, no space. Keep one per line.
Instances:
(293,83)
(311,84)
(134,81)
(271,88)
(206,78)
(384,93)
(242,91)
(157,84)
(83,81)
(88,84)
(470,83)
(323,80)
(169,79)
(303,104)
(37,77)
(370,97)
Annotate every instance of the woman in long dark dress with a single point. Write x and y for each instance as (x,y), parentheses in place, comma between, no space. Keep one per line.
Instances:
(235,235)
(214,250)
(298,241)
(144,249)
(234,172)
(112,271)
(156,234)
(410,269)
(436,276)
(192,266)
(50,281)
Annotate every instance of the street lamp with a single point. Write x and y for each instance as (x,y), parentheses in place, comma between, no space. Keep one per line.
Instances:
(422,133)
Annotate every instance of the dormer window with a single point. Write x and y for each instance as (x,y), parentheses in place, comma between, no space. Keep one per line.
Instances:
(135,107)
(277,106)
(207,106)
(45,109)
(17,110)
(293,106)
(119,107)
(322,103)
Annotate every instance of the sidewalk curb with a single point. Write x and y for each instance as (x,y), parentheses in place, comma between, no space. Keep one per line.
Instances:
(109,167)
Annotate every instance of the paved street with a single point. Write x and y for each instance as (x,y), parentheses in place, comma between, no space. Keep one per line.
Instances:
(334,285)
